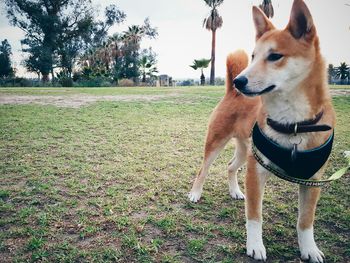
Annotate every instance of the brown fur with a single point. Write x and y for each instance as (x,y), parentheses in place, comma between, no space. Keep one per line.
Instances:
(235,115)
(252,189)
(227,117)
(233,109)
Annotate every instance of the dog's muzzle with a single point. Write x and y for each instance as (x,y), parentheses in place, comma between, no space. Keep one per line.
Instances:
(241,85)
(240,82)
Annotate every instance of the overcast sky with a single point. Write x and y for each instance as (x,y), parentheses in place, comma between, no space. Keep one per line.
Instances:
(182,37)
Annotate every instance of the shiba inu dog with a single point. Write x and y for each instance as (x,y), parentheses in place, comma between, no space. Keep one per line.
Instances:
(282,93)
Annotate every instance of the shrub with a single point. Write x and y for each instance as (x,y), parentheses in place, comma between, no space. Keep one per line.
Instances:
(126,83)
(66,82)
(16,82)
(94,82)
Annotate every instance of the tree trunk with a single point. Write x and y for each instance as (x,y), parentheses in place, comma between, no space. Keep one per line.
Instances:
(52,75)
(45,77)
(212,70)
(202,79)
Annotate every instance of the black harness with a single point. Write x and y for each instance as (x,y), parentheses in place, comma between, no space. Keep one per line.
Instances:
(290,163)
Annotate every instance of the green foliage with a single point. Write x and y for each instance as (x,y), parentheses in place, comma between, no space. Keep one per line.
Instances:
(16,82)
(194,246)
(57,31)
(120,58)
(148,65)
(64,79)
(331,72)
(201,64)
(6,69)
(343,71)
(4,194)
(35,243)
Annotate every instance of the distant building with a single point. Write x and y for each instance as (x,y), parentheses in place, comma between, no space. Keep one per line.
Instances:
(164,81)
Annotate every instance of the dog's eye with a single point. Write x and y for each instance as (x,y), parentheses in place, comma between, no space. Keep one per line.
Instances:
(252,56)
(274,57)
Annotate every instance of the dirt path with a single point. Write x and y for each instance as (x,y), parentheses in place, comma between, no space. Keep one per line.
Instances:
(75,101)
(340,92)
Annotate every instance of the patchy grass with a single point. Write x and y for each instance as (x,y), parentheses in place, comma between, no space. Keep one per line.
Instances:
(108,183)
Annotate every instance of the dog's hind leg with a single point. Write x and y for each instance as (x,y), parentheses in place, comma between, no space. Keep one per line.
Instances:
(308,198)
(239,158)
(213,147)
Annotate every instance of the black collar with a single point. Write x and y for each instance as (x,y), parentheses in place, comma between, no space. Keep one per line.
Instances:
(305,164)
(299,127)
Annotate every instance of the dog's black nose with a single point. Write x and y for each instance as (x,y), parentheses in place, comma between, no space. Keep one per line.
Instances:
(240,82)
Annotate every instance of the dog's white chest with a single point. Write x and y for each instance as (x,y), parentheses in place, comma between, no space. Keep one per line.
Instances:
(289,108)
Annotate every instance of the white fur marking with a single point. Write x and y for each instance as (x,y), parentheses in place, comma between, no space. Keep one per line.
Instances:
(236,192)
(255,246)
(308,248)
(194,196)
(197,188)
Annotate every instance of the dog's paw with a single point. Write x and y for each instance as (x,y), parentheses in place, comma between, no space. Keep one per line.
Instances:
(256,251)
(312,254)
(194,196)
(237,194)
(308,248)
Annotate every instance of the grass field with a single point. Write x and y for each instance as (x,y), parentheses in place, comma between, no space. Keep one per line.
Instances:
(108,182)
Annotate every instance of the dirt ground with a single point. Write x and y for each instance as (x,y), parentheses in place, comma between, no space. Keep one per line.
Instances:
(76,101)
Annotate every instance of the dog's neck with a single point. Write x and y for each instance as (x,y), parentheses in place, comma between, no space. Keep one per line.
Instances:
(290,107)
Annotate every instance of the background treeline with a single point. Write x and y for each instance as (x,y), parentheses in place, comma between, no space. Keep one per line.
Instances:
(67,42)
(339,75)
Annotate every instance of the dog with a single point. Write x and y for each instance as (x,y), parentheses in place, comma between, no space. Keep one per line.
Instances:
(286,85)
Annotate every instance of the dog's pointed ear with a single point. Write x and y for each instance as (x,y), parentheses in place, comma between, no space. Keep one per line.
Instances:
(261,22)
(301,24)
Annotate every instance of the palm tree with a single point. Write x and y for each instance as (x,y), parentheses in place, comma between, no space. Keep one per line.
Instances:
(267,7)
(147,67)
(331,73)
(342,72)
(202,64)
(212,23)
(134,34)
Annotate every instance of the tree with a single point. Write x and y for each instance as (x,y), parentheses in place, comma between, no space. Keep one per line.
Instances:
(131,39)
(331,73)
(212,23)
(147,65)
(119,56)
(6,69)
(202,64)
(267,8)
(342,72)
(56,31)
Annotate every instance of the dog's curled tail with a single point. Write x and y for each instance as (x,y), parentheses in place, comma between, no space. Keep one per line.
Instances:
(236,62)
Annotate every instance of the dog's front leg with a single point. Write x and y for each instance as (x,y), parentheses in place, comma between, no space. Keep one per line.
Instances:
(254,184)
(308,198)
